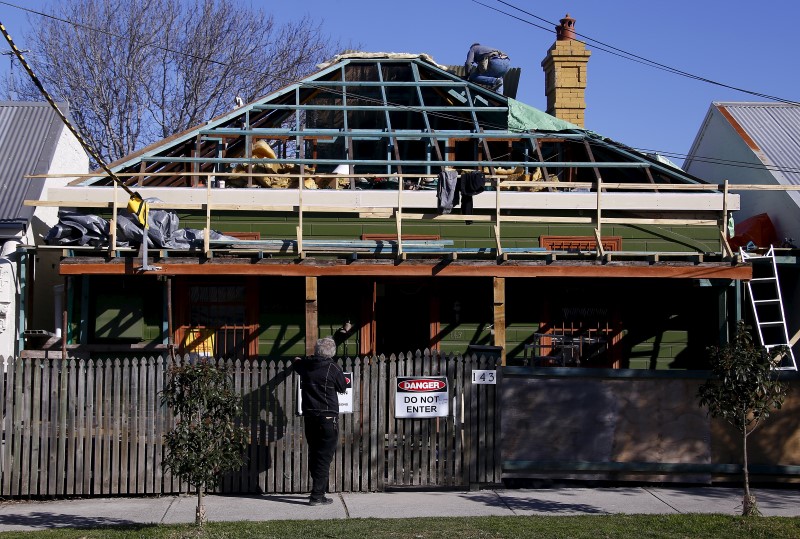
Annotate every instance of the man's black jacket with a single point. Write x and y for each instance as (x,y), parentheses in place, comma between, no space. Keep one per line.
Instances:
(321,380)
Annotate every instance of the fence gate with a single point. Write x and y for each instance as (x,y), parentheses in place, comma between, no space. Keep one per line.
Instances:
(92,428)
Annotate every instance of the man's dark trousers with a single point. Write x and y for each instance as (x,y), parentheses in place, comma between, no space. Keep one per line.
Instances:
(322,434)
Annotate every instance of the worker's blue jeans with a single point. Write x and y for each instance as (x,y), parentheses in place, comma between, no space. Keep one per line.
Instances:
(496,70)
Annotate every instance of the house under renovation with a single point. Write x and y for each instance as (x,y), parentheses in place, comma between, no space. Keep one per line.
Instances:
(389,202)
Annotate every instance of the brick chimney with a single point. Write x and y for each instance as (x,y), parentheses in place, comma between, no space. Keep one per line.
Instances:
(565,74)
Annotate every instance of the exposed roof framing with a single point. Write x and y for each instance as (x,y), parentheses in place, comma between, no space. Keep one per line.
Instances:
(386,115)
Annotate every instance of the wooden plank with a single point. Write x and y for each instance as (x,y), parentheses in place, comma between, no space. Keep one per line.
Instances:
(364,424)
(106,451)
(355,460)
(299,438)
(248,421)
(72,430)
(263,424)
(425,435)
(293,429)
(404,432)
(416,450)
(312,324)
(261,398)
(8,424)
(482,425)
(441,422)
(382,439)
(375,435)
(134,477)
(26,416)
(289,407)
(495,417)
(432,216)
(283,420)
(44,431)
(298,435)
(160,416)
(86,414)
(367,420)
(273,423)
(391,422)
(150,419)
(53,430)
(61,466)
(282,404)
(80,427)
(562,268)
(236,481)
(77,412)
(545,219)
(471,438)
(499,315)
(15,412)
(257,426)
(116,444)
(35,427)
(347,424)
(451,456)
(661,221)
(141,442)
(97,446)
(127,428)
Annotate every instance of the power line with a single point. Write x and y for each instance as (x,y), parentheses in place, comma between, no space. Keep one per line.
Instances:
(728,162)
(285,80)
(605,47)
(739,164)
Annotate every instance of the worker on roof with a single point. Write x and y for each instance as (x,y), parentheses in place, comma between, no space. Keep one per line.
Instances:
(486,65)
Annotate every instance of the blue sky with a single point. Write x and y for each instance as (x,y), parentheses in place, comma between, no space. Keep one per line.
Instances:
(750,45)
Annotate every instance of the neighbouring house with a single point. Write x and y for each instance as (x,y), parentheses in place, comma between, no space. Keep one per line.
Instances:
(33,141)
(758,143)
(331,198)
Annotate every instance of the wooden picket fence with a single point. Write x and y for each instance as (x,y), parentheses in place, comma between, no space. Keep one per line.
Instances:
(96,428)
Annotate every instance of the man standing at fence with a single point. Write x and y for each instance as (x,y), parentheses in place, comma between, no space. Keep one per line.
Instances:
(321,380)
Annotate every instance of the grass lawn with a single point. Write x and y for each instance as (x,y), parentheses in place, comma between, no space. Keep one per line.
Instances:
(612,526)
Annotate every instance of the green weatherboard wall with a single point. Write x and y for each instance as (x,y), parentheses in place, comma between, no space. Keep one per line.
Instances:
(659,330)
(650,238)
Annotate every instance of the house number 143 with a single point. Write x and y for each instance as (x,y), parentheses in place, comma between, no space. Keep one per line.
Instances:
(484,377)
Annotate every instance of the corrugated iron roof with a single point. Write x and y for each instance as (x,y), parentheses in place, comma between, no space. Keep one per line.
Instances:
(774,130)
(29,134)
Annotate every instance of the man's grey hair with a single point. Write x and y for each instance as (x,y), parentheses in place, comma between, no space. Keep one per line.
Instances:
(325,348)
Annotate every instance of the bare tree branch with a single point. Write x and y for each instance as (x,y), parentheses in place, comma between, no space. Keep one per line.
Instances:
(137,71)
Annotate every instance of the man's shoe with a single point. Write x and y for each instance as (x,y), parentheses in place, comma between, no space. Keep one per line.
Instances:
(497,84)
(320,501)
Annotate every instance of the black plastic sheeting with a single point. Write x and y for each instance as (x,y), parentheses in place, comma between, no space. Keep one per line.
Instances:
(76,228)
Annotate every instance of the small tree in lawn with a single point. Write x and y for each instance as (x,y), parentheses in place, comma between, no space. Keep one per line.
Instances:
(743,391)
(205,442)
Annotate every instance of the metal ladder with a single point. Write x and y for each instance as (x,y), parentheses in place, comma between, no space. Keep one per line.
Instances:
(765,297)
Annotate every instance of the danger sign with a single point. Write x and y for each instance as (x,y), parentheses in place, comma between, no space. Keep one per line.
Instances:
(421,396)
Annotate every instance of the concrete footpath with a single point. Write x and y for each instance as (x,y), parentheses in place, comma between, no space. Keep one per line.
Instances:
(91,512)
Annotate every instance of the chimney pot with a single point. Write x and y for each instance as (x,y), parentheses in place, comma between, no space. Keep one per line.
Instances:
(566,31)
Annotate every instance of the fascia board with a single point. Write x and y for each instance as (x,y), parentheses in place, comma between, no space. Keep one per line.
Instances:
(411,199)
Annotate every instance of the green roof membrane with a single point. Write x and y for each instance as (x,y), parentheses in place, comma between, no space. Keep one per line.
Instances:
(522,117)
